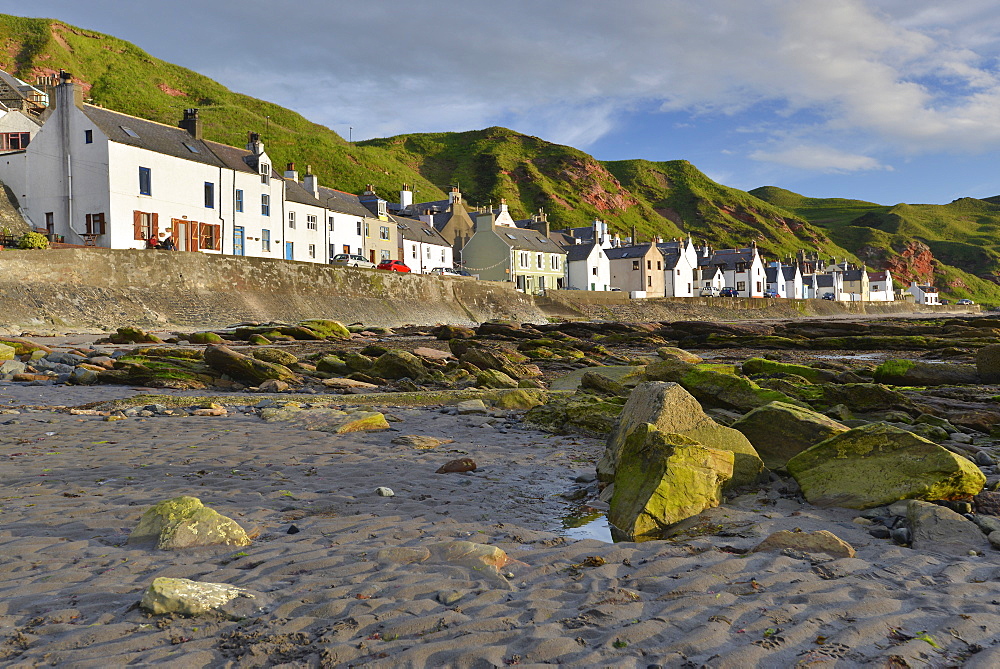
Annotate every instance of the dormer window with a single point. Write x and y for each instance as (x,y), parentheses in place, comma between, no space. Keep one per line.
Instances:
(382,208)
(265,173)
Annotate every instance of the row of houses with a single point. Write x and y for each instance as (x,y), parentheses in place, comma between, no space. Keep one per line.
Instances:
(87,175)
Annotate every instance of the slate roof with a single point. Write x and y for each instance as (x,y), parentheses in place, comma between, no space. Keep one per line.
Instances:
(345,203)
(630,252)
(578,252)
(771,274)
(671,256)
(854,275)
(418,231)
(789,272)
(152,136)
(825,281)
(729,258)
(526,240)
(296,192)
(878,276)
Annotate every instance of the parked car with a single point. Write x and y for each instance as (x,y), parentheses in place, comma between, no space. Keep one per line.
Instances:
(966,301)
(770,293)
(710,291)
(828,296)
(393,266)
(944,302)
(729,292)
(352,261)
(444,271)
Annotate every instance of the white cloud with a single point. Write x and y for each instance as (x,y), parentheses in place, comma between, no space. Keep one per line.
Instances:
(817,158)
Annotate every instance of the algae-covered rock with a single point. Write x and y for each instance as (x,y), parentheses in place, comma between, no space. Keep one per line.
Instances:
(205,338)
(865,397)
(988,363)
(779,431)
(332,364)
(667,352)
(258,340)
(714,388)
(627,375)
(446,332)
(23,346)
(186,597)
(326,328)
(520,399)
(672,409)
(663,478)
(917,373)
(764,366)
(132,335)
(877,464)
(326,420)
(397,365)
(184,522)
(7,352)
(492,378)
(579,413)
(244,368)
(603,385)
(275,355)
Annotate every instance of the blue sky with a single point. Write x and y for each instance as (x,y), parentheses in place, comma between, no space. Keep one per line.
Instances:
(881,100)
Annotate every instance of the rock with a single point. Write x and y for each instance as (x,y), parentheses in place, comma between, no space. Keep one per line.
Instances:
(359,362)
(994,539)
(822,542)
(187,598)
(326,329)
(987,502)
(916,373)
(667,352)
(332,364)
(205,338)
(492,378)
(877,464)
(601,384)
(713,388)
(24,347)
(273,386)
(184,522)
(326,420)
(941,530)
(445,332)
(900,535)
(576,413)
(467,407)
(988,363)
(13,367)
(483,559)
(258,340)
(457,466)
(275,355)
(348,384)
(382,491)
(865,397)
(419,441)
(672,409)
(521,399)
(764,366)
(7,352)
(779,431)
(663,478)
(432,353)
(210,411)
(448,597)
(483,358)
(398,365)
(81,376)
(243,368)
(131,335)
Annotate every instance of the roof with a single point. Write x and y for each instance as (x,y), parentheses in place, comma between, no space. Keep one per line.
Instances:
(825,280)
(878,276)
(671,256)
(526,240)
(928,289)
(578,252)
(771,274)
(729,258)
(418,231)
(296,192)
(345,203)
(152,136)
(789,272)
(629,252)
(855,275)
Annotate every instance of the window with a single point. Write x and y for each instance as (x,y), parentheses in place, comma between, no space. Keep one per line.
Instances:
(758,286)
(265,240)
(145,181)
(347,249)
(210,236)
(383,232)
(367,230)
(442,255)
(593,270)
(329,223)
(265,173)
(209,195)
(649,280)
(191,147)
(413,251)
(359,228)
(14,141)
(554,262)
(428,253)
(88,136)
(265,205)
(635,264)
(678,272)
(291,219)
(239,199)
(538,260)
(129,131)
(649,264)
(524,259)
(385,255)
(311,222)
(96,224)
(741,286)
(50,222)
(312,250)
(144,225)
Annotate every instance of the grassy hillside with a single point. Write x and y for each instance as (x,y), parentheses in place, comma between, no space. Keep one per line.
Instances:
(123,77)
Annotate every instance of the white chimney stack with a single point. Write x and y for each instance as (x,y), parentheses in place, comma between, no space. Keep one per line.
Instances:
(405,197)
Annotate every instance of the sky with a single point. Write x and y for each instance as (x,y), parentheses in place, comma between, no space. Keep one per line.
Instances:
(880,100)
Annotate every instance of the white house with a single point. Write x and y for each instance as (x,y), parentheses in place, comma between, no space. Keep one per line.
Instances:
(880,287)
(743,270)
(923,294)
(829,284)
(774,279)
(16,129)
(422,247)
(794,288)
(678,272)
(345,221)
(588,267)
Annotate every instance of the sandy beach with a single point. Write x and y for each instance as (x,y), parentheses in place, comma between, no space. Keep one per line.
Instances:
(76,485)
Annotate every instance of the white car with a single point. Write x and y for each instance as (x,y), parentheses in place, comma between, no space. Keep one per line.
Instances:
(710,291)
(444,271)
(352,261)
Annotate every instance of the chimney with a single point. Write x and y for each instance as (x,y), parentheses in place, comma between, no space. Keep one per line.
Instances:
(635,236)
(484,220)
(191,123)
(291,173)
(503,205)
(541,226)
(405,197)
(310,182)
(68,93)
(254,143)
(455,195)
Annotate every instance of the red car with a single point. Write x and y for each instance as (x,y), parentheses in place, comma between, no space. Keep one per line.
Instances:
(393,266)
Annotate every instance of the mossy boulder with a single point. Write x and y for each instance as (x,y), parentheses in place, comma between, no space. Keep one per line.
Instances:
(186,597)
(520,399)
(764,366)
(628,376)
(668,352)
(184,522)
(326,329)
(672,409)
(397,365)
(445,332)
(599,383)
(170,352)
(205,338)
(332,364)
(7,352)
(23,346)
(877,464)
(359,362)
(988,363)
(780,431)
(132,335)
(577,413)
(326,420)
(258,340)
(663,478)
(275,355)
(492,378)
(864,397)
(917,373)
(244,368)
(713,388)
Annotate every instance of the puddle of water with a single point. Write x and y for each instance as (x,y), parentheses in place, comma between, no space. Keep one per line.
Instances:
(593,526)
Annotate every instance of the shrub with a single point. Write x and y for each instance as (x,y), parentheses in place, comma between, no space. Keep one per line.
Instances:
(33,240)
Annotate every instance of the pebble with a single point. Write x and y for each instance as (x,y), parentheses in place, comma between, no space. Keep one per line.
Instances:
(984,458)
(382,491)
(901,535)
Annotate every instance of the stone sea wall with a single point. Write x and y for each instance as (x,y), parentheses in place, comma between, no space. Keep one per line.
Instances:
(102,289)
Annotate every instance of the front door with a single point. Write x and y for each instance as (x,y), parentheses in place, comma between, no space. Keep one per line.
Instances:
(372,256)
(181,232)
(289,251)
(238,239)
